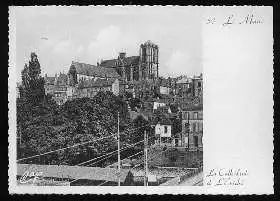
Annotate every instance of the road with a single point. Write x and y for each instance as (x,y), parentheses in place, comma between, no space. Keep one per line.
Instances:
(196,180)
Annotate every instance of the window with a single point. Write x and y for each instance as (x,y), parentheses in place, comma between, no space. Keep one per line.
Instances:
(165,140)
(187,127)
(195,138)
(195,115)
(186,116)
(165,129)
(193,127)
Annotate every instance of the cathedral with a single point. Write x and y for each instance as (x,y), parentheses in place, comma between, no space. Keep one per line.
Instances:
(136,68)
(85,80)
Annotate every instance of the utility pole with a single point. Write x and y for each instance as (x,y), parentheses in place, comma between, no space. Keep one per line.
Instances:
(19,136)
(188,131)
(119,154)
(146,159)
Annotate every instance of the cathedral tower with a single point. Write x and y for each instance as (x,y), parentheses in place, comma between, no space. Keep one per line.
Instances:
(148,60)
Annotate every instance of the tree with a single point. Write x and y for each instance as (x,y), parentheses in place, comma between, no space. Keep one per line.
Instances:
(32,89)
(176,125)
(135,103)
(173,156)
(45,127)
(141,124)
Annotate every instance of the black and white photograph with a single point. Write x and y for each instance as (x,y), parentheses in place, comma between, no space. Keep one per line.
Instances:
(108,97)
(165,99)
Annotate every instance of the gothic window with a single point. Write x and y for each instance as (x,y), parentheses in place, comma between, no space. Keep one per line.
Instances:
(186,115)
(195,138)
(165,129)
(127,73)
(135,73)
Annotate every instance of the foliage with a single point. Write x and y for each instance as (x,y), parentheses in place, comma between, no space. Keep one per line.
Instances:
(48,127)
(135,103)
(32,88)
(176,125)
(141,125)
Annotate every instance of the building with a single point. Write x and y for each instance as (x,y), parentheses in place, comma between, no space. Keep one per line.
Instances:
(197,85)
(86,80)
(135,68)
(189,87)
(135,74)
(166,86)
(164,110)
(158,105)
(82,80)
(144,89)
(79,72)
(57,87)
(89,88)
(184,87)
(192,127)
(163,132)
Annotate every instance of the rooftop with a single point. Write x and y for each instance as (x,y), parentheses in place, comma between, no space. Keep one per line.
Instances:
(162,121)
(92,70)
(184,80)
(132,60)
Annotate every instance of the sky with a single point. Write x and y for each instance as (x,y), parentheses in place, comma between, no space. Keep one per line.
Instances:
(60,35)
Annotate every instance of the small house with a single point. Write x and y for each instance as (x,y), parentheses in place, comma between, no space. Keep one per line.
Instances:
(163,132)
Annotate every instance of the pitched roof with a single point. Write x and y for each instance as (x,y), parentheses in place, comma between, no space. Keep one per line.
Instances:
(162,121)
(164,82)
(184,80)
(198,77)
(92,70)
(108,63)
(134,115)
(132,60)
(73,172)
